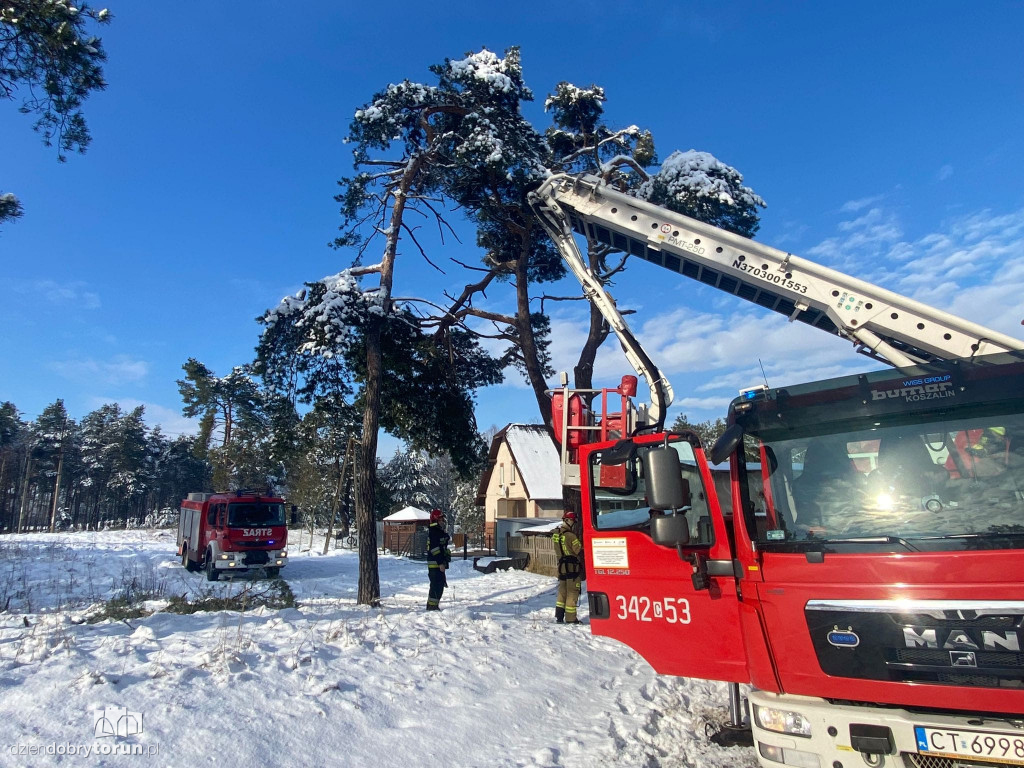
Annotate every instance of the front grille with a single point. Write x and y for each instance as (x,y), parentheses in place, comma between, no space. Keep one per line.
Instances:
(1004,621)
(991,669)
(914,760)
(940,658)
(968,646)
(256,558)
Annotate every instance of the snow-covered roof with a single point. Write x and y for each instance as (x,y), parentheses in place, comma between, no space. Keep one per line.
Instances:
(535,529)
(534,455)
(537,460)
(407,515)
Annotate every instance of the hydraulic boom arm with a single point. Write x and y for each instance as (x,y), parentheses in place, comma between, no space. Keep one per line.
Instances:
(558,227)
(881,323)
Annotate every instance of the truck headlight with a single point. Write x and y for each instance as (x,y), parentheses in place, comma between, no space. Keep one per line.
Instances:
(225,557)
(793,757)
(782,721)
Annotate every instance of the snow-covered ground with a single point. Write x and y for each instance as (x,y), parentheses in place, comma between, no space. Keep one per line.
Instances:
(489,681)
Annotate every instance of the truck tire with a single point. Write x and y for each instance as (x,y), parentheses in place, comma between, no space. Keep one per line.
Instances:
(186,561)
(211,569)
(273,573)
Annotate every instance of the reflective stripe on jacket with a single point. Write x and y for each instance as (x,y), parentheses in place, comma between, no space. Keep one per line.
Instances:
(438,553)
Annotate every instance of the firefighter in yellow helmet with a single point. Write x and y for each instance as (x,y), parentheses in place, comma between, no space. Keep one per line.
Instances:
(438,558)
(986,451)
(569,549)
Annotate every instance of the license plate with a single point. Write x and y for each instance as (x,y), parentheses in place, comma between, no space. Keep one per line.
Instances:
(977,745)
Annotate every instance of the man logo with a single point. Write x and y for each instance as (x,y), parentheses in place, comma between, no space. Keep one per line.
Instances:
(962,659)
(962,639)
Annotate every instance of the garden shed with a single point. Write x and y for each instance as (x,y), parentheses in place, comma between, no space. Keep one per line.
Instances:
(405,531)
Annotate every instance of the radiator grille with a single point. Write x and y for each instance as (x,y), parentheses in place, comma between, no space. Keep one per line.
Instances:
(914,760)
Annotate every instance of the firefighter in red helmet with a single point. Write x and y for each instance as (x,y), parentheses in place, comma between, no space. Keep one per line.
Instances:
(569,549)
(438,558)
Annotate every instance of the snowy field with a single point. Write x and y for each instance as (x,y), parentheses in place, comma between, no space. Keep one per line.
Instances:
(489,681)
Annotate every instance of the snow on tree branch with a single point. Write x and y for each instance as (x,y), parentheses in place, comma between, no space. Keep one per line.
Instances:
(327,313)
(704,175)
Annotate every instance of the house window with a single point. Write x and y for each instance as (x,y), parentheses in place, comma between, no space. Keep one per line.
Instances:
(501,474)
(512,474)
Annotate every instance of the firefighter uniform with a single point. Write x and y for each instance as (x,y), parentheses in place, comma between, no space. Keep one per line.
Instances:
(438,558)
(569,549)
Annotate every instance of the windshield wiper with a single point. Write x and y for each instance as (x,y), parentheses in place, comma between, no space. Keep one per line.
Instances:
(828,545)
(876,540)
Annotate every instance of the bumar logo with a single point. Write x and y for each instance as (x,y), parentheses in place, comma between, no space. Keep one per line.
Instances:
(117,722)
(915,390)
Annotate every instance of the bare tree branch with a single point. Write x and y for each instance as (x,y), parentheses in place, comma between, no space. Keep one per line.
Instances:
(412,235)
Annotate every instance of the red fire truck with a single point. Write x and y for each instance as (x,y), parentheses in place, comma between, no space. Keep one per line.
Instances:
(863,571)
(233,532)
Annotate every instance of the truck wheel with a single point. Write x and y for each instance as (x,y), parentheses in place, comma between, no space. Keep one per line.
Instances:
(184,559)
(211,569)
(273,573)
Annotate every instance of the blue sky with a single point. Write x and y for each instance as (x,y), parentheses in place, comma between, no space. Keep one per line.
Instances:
(887,140)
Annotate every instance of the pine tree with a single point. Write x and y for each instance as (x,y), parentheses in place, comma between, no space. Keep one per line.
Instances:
(224,405)
(48,54)
(701,186)
(128,452)
(99,443)
(52,433)
(12,455)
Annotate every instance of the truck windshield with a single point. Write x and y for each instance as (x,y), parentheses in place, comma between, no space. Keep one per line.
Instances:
(618,492)
(927,485)
(249,514)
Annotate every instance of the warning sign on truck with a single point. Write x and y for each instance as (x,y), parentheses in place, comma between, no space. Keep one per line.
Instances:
(609,553)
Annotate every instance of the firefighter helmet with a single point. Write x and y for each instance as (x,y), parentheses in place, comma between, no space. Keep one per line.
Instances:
(435,515)
(569,515)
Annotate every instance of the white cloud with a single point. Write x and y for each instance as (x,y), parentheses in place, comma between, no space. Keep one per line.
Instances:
(170,421)
(718,404)
(120,370)
(864,202)
(945,172)
(61,294)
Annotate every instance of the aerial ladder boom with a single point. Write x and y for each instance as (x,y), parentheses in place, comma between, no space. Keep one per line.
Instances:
(555,221)
(881,323)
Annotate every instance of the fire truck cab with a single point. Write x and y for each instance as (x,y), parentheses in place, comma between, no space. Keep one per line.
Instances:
(863,575)
(233,532)
(862,570)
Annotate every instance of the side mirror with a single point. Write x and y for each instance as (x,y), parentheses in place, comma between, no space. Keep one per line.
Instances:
(666,488)
(670,530)
(726,444)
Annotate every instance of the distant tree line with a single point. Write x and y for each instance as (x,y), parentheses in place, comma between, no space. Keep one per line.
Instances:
(110,469)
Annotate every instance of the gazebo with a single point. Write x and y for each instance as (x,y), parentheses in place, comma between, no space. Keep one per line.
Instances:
(401,528)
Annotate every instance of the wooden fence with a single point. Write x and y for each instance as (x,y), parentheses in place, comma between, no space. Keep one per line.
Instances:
(541,550)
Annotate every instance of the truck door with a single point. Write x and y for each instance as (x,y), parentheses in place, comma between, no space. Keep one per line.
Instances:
(213,523)
(675,604)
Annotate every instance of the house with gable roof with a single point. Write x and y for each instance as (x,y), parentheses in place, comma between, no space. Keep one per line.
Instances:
(522,478)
